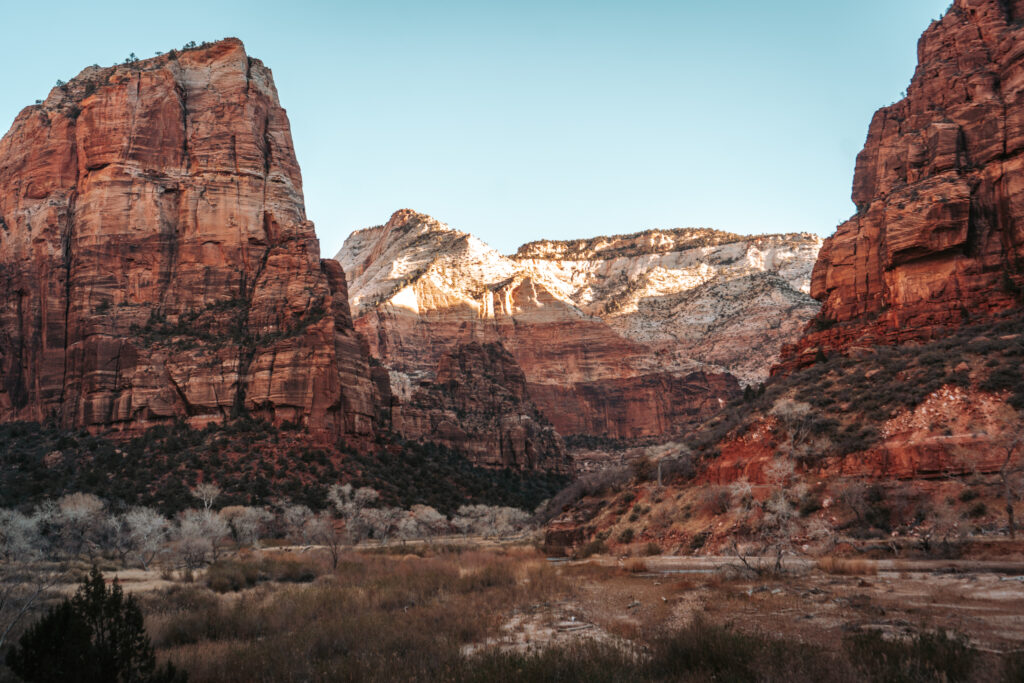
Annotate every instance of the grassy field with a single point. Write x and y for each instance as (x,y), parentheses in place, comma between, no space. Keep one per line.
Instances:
(431,613)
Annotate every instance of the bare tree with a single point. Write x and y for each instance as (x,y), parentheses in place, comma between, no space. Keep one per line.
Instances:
(141,532)
(19,537)
(295,519)
(199,536)
(383,521)
(422,521)
(247,524)
(429,521)
(490,520)
(798,419)
(206,492)
(322,530)
(853,497)
(82,523)
(1011,477)
(20,590)
(350,505)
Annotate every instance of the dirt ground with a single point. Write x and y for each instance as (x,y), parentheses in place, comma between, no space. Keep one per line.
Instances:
(619,599)
(623,599)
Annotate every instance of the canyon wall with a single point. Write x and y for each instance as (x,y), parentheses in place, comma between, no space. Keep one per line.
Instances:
(938,238)
(157,262)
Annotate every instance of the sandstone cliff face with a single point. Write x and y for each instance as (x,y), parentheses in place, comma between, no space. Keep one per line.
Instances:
(618,337)
(939,188)
(157,261)
(478,405)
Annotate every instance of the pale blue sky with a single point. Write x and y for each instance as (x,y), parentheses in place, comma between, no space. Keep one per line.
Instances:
(535,119)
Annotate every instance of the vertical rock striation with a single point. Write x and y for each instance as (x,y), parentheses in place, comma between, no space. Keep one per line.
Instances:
(939,233)
(157,262)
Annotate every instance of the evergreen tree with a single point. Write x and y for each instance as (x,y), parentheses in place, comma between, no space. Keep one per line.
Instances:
(97,636)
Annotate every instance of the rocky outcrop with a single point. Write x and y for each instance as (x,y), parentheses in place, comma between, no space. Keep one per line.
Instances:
(157,261)
(696,297)
(479,405)
(623,337)
(939,233)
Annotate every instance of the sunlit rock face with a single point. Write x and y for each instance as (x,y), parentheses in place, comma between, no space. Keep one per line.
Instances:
(939,187)
(156,260)
(623,337)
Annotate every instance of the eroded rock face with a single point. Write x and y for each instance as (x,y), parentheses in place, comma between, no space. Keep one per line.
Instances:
(624,337)
(157,262)
(479,405)
(939,187)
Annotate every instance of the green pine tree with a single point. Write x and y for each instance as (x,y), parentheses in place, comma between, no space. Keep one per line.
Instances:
(98,636)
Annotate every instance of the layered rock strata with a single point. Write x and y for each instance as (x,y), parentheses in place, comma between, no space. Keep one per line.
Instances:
(622,337)
(939,187)
(157,261)
(478,405)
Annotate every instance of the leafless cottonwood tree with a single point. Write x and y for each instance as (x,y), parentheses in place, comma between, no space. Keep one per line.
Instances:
(295,519)
(141,533)
(20,589)
(199,536)
(350,504)
(207,493)
(322,530)
(80,521)
(1011,477)
(247,523)
(490,520)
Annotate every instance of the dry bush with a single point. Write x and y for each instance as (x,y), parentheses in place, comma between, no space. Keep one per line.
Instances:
(377,617)
(635,565)
(845,566)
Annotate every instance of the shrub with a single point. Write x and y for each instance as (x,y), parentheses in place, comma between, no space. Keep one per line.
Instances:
(595,547)
(925,657)
(97,635)
(231,575)
(626,536)
(635,565)
(977,510)
(967,495)
(652,548)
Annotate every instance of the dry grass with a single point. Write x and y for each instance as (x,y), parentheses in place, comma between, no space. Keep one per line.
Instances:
(635,565)
(845,566)
(378,617)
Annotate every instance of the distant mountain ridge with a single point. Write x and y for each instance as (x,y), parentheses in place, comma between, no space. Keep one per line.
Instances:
(621,337)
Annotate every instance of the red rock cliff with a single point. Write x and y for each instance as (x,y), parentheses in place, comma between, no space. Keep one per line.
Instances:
(156,260)
(939,188)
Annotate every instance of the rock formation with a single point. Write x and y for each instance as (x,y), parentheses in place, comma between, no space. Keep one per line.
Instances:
(478,405)
(939,187)
(157,262)
(622,337)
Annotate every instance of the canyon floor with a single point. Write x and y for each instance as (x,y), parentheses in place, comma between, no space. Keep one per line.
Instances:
(474,610)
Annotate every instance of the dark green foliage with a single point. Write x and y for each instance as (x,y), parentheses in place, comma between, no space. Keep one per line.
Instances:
(979,509)
(219,324)
(877,513)
(96,636)
(253,462)
(410,473)
(626,536)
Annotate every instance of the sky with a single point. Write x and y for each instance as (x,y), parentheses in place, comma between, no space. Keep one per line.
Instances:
(527,120)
